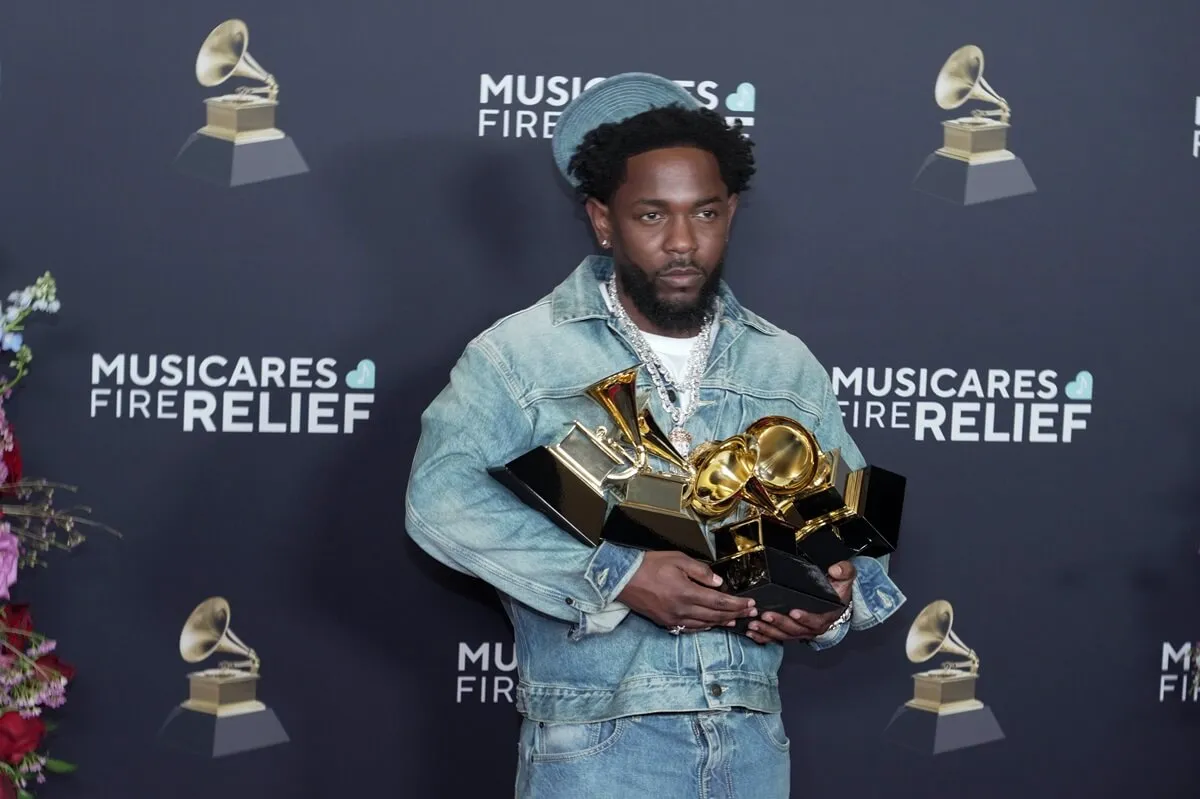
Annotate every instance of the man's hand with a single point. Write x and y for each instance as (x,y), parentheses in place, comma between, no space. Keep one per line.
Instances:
(799,625)
(669,588)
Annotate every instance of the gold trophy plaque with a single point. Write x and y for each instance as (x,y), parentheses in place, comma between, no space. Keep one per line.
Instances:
(222,714)
(974,164)
(239,142)
(944,713)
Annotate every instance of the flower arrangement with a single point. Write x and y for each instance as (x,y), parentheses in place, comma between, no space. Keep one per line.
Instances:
(32,678)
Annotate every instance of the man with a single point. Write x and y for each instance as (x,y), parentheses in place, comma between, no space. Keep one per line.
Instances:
(630,683)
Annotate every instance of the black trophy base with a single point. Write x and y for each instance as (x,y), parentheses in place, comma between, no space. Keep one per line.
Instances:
(786,583)
(970,184)
(545,484)
(647,529)
(223,163)
(875,531)
(217,736)
(934,734)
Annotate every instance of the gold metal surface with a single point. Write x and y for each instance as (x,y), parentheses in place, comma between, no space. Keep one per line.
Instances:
(658,443)
(787,455)
(617,395)
(724,475)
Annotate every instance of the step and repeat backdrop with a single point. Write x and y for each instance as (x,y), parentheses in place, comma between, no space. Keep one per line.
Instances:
(261,293)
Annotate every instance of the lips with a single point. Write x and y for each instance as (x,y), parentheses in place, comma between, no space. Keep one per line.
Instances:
(681,278)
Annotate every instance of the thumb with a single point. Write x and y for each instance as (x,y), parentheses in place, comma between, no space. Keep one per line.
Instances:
(841,571)
(700,572)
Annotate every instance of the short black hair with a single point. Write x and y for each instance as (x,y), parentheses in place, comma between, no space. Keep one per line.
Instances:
(599,162)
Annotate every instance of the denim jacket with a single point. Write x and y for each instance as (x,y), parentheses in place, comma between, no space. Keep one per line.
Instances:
(582,656)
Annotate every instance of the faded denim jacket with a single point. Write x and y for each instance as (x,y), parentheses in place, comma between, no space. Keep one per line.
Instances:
(582,656)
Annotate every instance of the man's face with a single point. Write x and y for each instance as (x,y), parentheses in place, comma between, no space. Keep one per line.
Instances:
(669,225)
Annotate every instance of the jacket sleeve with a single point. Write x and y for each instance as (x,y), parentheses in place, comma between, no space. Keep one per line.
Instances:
(875,596)
(463,517)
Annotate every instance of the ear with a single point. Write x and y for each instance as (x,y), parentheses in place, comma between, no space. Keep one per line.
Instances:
(601,223)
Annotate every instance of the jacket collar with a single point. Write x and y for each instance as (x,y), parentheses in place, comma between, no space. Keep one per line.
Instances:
(578,297)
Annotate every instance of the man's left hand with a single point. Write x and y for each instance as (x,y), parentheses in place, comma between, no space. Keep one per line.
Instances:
(800,625)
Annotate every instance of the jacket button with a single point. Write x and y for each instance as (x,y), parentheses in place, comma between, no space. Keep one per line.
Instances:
(570,601)
(715,690)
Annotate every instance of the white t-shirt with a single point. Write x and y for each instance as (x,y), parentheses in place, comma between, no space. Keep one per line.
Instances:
(673,352)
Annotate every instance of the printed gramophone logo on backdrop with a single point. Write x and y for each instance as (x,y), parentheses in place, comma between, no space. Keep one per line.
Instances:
(528,106)
(239,142)
(1036,406)
(215,393)
(1180,677)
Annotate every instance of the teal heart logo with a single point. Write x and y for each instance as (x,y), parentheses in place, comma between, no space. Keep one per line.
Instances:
(741,101)
(1081,387)
(363,376)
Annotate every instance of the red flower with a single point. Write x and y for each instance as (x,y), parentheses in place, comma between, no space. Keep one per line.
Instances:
(12,459)
(19,736)
(53,664)
(17,617)
(7,789)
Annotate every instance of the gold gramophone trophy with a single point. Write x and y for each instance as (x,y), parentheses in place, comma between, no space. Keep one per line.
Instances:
(805,511)
(944,713)
(974,164)
(222,714)
(240,142)
(599,484)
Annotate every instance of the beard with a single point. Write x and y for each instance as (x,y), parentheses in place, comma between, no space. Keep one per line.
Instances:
(672,316)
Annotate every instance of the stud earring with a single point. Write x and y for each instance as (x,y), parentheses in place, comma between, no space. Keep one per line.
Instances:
(604,243)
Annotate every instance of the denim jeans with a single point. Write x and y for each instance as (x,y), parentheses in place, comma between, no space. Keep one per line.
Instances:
(718,754)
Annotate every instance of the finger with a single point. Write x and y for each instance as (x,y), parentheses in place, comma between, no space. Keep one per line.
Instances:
(811,622)
(715,616)
(759,638)
(769,631)
(733,606)
(699,572)
(788,626)
(842,571)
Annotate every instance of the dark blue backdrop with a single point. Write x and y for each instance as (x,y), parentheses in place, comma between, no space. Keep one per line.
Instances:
(1068,564)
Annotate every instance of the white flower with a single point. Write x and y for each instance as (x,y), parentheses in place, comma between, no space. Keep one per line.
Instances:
(53,306)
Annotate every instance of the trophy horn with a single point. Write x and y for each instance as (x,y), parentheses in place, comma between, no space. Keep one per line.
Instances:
(225,54)
(788,455)
(617,395)
(658,443)
(931,633)
(961,79)
(207,631)
(723,474)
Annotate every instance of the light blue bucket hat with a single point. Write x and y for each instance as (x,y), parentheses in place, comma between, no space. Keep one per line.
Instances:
(614,99)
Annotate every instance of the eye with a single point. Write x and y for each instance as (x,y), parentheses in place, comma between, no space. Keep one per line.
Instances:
(708,213)
(646,216)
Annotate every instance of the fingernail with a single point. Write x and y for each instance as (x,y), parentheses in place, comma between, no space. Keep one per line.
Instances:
(753,611)
(732,623)
(716,579)
(754,626)
(795,614)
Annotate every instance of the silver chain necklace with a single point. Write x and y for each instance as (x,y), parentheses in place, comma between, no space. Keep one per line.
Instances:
(661,376)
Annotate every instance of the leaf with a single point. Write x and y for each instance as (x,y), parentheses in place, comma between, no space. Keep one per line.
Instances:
(51,726)
(23,794)
(55,766)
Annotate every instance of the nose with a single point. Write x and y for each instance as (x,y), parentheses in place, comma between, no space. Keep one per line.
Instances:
(680,239)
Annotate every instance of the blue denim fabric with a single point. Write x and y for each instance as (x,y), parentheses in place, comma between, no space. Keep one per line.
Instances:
(730,754)
(582,656)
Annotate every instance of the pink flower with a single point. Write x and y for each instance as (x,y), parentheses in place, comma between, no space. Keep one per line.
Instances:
(10,555)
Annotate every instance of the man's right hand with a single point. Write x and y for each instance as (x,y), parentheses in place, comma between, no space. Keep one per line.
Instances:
(673,589)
